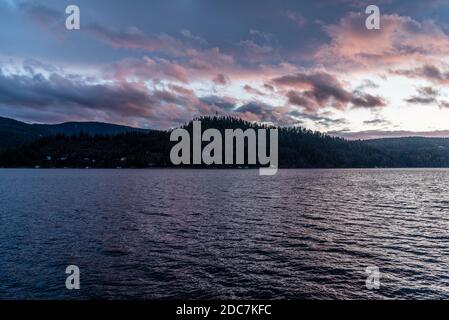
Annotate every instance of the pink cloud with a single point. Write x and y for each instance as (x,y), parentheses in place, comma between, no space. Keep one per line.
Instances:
(149,69)
(399,40)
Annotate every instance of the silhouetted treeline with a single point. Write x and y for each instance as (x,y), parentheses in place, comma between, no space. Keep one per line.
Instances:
(298,148)
(83,150)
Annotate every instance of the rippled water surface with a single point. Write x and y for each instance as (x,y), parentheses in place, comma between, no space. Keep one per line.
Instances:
(302,234)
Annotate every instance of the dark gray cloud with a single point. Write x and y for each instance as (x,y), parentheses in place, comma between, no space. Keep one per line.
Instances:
(298,99)
(253,90)
(367,84)
(315,90)
(56,91)
(224,103)
(428,72)
(425,95)
(376,121)
(128,101)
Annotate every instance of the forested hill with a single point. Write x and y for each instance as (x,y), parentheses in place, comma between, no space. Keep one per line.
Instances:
(298,148)
(415,151)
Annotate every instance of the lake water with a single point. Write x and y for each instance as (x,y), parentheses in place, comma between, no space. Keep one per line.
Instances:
(202,234)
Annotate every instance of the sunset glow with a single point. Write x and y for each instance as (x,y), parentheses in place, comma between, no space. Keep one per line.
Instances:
(160,64)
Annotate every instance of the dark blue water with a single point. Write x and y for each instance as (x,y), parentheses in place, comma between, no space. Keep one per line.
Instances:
(224,233)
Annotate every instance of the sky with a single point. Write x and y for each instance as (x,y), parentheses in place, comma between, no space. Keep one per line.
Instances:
(158,64)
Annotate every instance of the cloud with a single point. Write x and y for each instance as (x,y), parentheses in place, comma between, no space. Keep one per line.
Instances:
(208,60)
(189,47)
(221,79)
(148,69)
(313,91)
(254,52)
(295,17)
(157,69)
(268,87)
(298,99)
(226,104)
(119,100)
(263,35)
(163,72)
(129,38)
(43,16)
(367,84)
(443,104)
(134,38)
(252,110)
(32,65)
(400,40)
(377,121)
(317,119)
(190,36)
(364,100)
(428,71)
(56,91)
(426,95)
(122,101)
(262,112)
(253,90)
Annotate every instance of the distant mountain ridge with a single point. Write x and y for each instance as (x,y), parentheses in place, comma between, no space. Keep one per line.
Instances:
(14,133)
